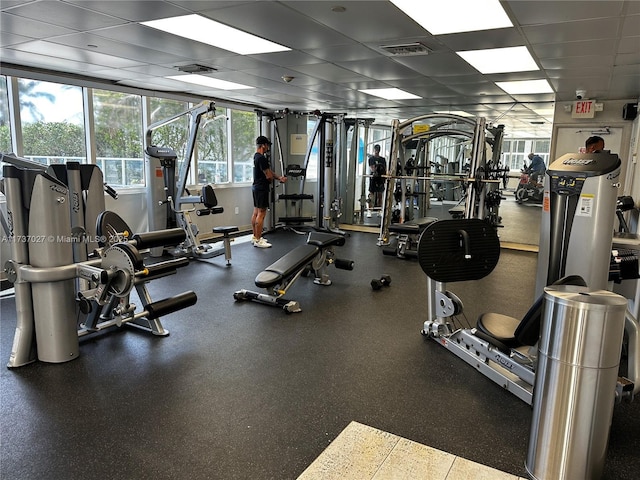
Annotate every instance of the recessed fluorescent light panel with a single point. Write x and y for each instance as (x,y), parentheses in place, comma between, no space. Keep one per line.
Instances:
(390,93)
(208,82)
(525,87)
(200,29)
(500,60)
(456,112)
(455,16)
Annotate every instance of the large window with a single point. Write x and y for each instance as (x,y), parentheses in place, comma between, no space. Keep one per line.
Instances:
(173,135)
(244,130)
(213,163)
(516,151)
(5,124)
(52,122)
(52,130)
(118,137)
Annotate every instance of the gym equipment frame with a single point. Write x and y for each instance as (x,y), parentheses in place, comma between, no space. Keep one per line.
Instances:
(52,290)
(316,255)
(482,197)
(166,200)
(498,346)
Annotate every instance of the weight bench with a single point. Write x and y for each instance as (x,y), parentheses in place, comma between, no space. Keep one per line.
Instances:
(316,255)
(408,236)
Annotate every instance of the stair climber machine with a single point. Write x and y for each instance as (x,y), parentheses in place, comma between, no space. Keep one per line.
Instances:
(169,202)
(73,264)
(575,250)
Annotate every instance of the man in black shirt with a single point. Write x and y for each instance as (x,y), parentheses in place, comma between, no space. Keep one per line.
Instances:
(262,178)
(377,168)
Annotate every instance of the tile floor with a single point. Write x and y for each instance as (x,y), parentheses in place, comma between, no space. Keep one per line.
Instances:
(361,452)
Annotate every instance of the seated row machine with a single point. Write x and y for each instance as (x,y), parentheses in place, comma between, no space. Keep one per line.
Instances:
(177,214)
(316,255)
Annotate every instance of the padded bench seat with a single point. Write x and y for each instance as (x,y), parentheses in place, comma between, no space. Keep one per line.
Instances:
(324,240)
(286,266)
(297,258)
(225,230)
(414,226)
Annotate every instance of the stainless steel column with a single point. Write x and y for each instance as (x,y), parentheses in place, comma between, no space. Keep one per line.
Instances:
(54,305)
(574,394)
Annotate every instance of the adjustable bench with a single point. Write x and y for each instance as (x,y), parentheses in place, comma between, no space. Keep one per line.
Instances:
(316,255)
(408,236)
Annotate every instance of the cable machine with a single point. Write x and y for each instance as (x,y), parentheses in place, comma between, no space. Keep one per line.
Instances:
(167,197)
(329,128)
(482,181)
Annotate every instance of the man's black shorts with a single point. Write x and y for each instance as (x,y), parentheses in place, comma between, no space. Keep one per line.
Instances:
(261,198)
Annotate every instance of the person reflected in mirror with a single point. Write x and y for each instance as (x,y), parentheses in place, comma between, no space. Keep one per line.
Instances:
(377,170)
(536,168)
(594,144)
(262,178)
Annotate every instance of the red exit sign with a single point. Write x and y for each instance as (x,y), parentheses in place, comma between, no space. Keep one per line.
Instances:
(583,109)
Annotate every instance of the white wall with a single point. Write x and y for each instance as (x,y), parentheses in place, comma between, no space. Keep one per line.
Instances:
(569,134)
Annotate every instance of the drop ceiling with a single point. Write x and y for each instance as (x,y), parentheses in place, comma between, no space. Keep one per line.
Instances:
(586,45)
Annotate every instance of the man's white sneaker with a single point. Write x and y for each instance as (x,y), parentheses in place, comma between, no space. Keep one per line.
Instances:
(262,243)
(253,239)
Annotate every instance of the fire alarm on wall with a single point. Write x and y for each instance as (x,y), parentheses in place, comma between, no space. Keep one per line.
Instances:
(630,111)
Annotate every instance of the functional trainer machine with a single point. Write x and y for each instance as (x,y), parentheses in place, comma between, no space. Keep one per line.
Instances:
(482,195)
(170,204)
(54,293)
(580,205)
(315,256)
(324,140)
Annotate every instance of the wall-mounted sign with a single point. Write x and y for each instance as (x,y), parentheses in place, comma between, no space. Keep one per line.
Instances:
(298,144)
(583,109)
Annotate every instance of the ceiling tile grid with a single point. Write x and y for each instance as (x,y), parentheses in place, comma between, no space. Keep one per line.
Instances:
(335,52)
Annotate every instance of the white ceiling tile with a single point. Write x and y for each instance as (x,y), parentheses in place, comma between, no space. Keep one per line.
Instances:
(595,43)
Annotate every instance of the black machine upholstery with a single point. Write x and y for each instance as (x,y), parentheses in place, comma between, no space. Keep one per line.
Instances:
(516,333)
(412,227)
(458,250)
(296,259)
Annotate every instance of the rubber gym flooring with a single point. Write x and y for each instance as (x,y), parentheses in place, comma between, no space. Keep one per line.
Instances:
(241,390)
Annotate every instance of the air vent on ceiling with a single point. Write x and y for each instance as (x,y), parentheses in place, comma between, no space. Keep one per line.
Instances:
(195,68)
(407,49)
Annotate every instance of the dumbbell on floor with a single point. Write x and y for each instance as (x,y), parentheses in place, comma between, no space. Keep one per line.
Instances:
(384,281)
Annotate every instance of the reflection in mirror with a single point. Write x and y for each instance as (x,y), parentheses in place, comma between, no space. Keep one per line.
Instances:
(432,174)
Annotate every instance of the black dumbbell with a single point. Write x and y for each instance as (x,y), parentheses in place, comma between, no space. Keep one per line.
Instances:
(384,281)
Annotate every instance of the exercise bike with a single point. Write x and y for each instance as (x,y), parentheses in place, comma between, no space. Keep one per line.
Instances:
(529,190)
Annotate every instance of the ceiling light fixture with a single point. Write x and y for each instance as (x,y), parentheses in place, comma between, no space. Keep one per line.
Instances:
(287,78)
(201,29)
(208,82)
(500,60)
(455,16)
(525,87)
(461,113)
(390,93)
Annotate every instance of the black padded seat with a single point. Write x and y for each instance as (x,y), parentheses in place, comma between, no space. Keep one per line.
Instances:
(413,226)
(286,266)
(225,230)
(501,327)
(516,333)
(323,240)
